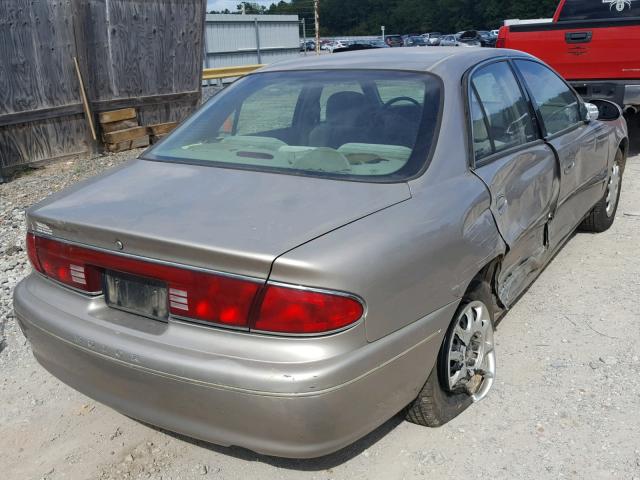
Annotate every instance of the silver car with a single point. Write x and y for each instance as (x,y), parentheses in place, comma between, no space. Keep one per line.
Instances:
(326,243)
(448,41)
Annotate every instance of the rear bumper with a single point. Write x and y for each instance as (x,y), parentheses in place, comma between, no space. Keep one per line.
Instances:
(303,408)
(622,92)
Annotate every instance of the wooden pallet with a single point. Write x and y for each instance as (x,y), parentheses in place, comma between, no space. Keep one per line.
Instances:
(121,130)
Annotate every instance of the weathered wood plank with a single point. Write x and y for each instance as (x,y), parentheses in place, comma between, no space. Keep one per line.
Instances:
(156,138)
(121,125)
(128,144)
(40,114)
(132,53)
(124,135)
(163,112)
(161,128)
(135,102)
(117,115)
(36,48)
(54,51)
(25,143)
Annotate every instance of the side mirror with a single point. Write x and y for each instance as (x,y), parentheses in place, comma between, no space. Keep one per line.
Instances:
(608,109)
(591,112)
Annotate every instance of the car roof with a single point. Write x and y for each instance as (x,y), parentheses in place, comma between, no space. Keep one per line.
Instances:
(409,59)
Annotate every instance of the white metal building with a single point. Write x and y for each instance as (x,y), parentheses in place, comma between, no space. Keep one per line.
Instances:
(232,40)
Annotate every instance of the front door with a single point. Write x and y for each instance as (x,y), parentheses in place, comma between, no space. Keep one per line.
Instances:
(580,146)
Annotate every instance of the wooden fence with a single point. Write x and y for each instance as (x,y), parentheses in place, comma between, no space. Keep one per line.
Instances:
(145,54)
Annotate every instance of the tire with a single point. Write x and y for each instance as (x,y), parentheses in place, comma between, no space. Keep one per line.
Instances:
(437,403)
(602,215)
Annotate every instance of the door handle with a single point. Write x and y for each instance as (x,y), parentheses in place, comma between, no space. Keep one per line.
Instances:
(501,203)
(570,166)
(578,37)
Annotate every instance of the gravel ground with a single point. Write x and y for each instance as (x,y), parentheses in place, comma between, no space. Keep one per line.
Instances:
(565,404)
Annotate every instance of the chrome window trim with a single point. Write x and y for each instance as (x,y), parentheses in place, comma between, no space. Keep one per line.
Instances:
(467,91)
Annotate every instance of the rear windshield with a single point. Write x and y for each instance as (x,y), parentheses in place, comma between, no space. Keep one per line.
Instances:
(599,9)
(363,125)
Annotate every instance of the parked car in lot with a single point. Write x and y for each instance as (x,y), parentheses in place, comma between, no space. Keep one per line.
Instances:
(433,38)
(593,44)
(487,39)
(361,45)
(326,242)
(378,43)
(448,41)
(338,44)
(394,40)
(469,38)
(415,42)
(307,46)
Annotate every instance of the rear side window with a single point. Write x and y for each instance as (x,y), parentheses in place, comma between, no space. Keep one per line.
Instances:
(599,9)
(558,105)
(507,115)
(481,141)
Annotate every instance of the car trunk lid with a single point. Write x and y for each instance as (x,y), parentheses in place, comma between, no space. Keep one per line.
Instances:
(227,220)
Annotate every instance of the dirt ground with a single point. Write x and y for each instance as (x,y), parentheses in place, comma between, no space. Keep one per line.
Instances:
(565,403)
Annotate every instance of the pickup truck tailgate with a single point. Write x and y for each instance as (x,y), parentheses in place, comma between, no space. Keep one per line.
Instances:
(596,51)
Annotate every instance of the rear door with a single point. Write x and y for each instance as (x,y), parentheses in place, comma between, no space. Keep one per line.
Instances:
(519,169)
(581,147)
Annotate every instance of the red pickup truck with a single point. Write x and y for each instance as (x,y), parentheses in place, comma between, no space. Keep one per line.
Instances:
(594,44)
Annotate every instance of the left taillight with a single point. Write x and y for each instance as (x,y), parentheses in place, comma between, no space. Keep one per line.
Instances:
(63,262)
(201,296)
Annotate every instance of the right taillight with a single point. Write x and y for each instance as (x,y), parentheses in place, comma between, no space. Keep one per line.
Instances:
(293,310)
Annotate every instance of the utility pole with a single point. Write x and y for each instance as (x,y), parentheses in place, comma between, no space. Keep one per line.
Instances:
(316,15)
(304,34)
(382,28)
(243,8)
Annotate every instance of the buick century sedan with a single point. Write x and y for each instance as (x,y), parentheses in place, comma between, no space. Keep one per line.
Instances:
(327,242)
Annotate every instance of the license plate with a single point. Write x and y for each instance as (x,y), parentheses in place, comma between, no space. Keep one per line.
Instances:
(138,295)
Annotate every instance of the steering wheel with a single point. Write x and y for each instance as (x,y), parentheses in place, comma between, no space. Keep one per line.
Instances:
(388,103)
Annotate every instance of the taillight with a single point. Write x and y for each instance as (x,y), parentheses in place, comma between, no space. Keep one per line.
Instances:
(201,296)
(208,297)
(291,310)
(31,252)
(63,262)
(502,37)
(193,294)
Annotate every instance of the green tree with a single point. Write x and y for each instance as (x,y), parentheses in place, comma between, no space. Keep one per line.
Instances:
(364,17)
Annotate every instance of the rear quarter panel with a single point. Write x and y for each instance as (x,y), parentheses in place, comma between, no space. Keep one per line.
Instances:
(405,261)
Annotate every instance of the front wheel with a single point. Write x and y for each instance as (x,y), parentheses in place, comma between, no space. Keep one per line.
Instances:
(601,217)
(466,365)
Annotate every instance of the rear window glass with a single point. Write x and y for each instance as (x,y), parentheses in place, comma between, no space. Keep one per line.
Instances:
(599,9)
(361,125)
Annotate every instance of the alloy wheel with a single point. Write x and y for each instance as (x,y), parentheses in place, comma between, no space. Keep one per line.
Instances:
(612,189)
(470,361)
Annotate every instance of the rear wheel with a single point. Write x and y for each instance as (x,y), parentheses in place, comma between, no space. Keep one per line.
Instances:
(466,365)
(601,217)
